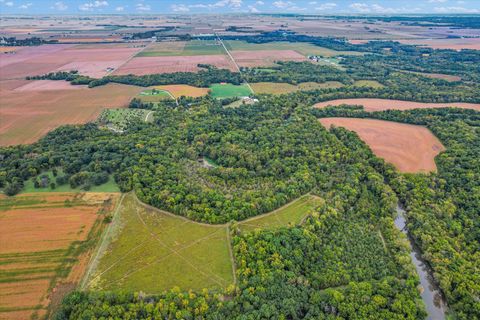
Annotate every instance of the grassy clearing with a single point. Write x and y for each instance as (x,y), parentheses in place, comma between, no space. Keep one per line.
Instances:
(290,214)
(220,91)
(153,251)
(190,48)
(121,119)
(29,187)
(301,47)
(368,83)
(281,88)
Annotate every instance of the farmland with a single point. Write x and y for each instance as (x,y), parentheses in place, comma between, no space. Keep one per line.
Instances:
(282,88)
(182,48)
(410,148)
(152,251)
(289,215)
(183,90)
(29,115)
(302,48)
(46,243)
(220,91)
(171,64)
(387,104)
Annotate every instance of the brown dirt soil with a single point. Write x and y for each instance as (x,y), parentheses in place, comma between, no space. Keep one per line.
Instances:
(170,64)
(27,116)
(264,58)
(455,44)
(29,234)
(178,90)
(92,62)
(410,148)
(386,104)
(46,85)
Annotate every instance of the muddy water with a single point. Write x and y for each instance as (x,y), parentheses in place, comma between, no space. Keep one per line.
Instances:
(431,294)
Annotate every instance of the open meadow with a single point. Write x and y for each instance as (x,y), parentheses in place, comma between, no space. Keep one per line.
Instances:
(151,251)
(290,214)
(409,147)
(46,242)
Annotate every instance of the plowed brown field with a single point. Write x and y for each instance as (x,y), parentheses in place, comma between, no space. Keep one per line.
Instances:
(410,148)
(170,64)
(26,116)
(42,236)
(386,104)
(264,58)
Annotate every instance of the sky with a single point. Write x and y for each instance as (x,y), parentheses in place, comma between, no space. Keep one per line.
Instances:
(237,6)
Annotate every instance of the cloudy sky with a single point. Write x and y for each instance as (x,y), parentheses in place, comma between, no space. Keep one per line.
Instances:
(255,6)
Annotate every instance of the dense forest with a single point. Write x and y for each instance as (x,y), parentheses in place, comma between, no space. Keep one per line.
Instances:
(443,209)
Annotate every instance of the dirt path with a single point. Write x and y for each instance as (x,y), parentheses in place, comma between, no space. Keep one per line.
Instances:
(234,62)
(104,242)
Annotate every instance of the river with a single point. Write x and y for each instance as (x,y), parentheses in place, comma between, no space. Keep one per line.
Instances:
(431,294)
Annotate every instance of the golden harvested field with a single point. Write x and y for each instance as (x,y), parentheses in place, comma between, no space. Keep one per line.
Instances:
(178,90)
(265,58)
(385,104)
(410,148)
(26,116)
(46,244)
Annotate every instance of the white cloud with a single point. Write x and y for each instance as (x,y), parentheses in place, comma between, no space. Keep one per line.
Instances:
(455,10)
(25,5)
(259,3)
(120,9)
(252,9)
(143,7)
(179,8)
(8,3)
(282,4)
(313,2)
(360,7)
(376,8)
(60,6)
(227,3)
(89,6)
(326,6)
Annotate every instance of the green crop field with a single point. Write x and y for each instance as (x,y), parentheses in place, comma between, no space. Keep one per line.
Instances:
(301,47)
(190,48)
(153,251)
(220,91)
(290,214)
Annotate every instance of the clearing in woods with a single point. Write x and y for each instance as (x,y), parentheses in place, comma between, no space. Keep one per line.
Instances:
(410,148)
(46,243)
(281,88)
(152,251)
(292,213)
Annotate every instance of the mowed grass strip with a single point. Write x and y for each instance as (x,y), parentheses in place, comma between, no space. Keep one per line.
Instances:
(222,91)
(292,213)
(153,251)
(303,48)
